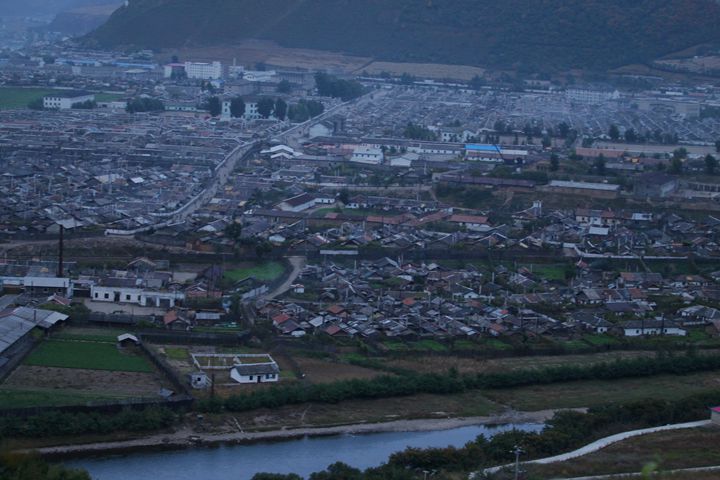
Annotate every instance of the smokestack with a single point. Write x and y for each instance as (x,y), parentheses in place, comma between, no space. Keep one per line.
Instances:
(60,252)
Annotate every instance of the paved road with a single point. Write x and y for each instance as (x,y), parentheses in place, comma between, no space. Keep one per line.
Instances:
(298,264)
(600,444)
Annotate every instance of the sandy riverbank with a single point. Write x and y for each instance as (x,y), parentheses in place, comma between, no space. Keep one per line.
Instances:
(188,438)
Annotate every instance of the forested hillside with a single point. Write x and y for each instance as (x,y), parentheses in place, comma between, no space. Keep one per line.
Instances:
(541,34)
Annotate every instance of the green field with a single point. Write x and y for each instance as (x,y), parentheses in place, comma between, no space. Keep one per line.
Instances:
(15,97)
(10,398)
(265,271)
(87,355)
(108,97)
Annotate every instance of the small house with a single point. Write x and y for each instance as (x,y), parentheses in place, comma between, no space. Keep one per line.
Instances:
(200,380)
(127,340)
(256,373)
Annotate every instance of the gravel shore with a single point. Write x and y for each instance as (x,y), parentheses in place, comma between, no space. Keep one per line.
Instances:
(188,438)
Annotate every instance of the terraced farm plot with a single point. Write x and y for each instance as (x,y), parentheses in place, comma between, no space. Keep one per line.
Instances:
(86,355)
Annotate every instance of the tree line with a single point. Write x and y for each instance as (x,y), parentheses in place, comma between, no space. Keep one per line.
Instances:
(57,423)
(386,386)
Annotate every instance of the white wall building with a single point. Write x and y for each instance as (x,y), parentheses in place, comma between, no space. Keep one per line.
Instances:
(367,155)
(256,373)
(137,296)
(204,71)
(64,100)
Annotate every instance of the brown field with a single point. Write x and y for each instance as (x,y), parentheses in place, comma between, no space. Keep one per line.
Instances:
(670,450)
(601,392)
(250,52)
(125,384)
(425,70)
(323,371)
(469,404)
(435,364)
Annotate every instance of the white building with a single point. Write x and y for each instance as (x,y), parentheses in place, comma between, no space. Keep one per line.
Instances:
(256,373)
(639,328)
(298,203)
(204,71)
(137,296)
(367,155)
(64,100)
(591,96)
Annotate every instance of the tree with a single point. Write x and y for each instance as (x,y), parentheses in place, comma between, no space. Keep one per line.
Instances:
(614,132)
(276,476)
(315,108)
(234,231)
(280,109)
(630,135)
(418,132)
(284,86)
(145,104)
(237,107)
(717,146)
(407,79)
(554,163)
(214,106)
(36,104)
(330,86)
(476,83)
(711,164)
(599,165)
(676,165)
(563,129)
(265,107)
(26,467)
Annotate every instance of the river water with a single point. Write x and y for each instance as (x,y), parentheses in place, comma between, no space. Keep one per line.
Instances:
(302,456)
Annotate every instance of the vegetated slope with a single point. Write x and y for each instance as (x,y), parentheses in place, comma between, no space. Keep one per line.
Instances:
(82,20)
(539,34)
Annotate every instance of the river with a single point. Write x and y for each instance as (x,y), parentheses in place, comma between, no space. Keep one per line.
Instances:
(302,456)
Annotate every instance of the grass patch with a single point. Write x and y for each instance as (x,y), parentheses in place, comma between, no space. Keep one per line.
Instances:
(51,398)
(574,345)
(15,97)
(396,346)
(108,97)
(176,353)
(265,271)
(85,337)
(550,272)
(86,355)
(496,344)
(600,340)
(600,392)
(430,345)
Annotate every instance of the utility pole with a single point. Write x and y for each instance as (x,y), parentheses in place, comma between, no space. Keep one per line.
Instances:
(517,451)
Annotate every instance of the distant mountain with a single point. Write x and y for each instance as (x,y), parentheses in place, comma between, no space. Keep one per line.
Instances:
(44,7)
(82,20)
(533,34)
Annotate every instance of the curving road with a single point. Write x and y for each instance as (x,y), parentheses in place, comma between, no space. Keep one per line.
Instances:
(597,445)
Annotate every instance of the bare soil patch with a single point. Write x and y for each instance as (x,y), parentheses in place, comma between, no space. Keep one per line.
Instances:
(131,384)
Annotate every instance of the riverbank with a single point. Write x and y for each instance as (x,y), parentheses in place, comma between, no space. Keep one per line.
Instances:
(188,438)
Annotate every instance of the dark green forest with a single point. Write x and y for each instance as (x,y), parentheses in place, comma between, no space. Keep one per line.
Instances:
(539,35)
